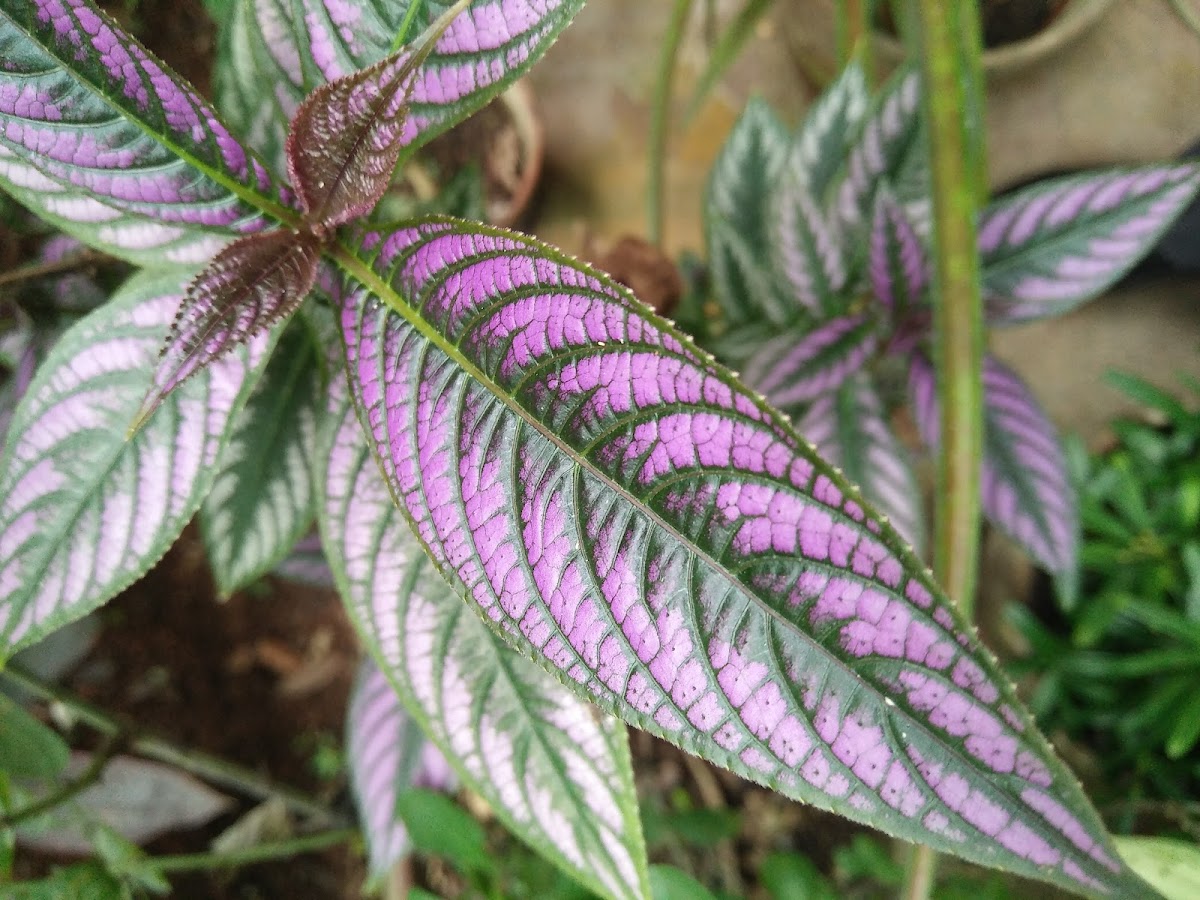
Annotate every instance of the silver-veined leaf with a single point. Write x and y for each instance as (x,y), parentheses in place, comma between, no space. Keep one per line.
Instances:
(1056,244)
(824,137)
(850,429)
(83,511)
(262,501)
(883,148)
(807,248)
(793,369)
(387,753)
(616,505)
(737,216)
(99,137)
(1027,490)
(277,51)
(556,771)
(896,263)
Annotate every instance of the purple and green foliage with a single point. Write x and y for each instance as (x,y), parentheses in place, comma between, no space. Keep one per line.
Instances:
(848,252)
(552,767)
(610,501)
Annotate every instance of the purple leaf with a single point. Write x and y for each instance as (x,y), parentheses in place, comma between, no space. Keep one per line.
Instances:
(795,369)
(1052,246)
(248,287)
(263,79)
(387,754)
(83,512)
(1027,491)
(98,136)
(262,501)
(808,250)
(553,768)
(345,139)
(883,148)
(138,799)
(737,221)
(850,430)
(896,258)
(619,507)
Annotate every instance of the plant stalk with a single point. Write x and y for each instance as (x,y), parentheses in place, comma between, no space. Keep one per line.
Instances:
(854,33)
(210,768)
(949,35)
(188,862)
(71,789)
(660,116)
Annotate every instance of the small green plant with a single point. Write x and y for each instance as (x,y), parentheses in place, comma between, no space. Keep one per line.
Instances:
(1119,660)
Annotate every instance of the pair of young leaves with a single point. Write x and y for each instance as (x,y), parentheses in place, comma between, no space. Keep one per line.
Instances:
(341,152)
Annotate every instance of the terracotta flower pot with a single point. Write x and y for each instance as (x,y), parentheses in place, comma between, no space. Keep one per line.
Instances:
(1076,18)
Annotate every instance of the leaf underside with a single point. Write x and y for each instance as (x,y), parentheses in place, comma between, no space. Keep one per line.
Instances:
(621,509)
(557,771)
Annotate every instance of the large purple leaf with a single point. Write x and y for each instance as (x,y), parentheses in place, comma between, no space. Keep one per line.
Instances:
(262,501)
(554,769)
(248,287)
(883,150)
(896,263)
(617,506)
(1057,244)
(850,429)
(1027,491)
(101,138)
(387,754)
(737,218)
(277,51)
(83,511)
(795,369)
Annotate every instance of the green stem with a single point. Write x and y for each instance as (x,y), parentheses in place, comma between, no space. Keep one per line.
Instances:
(72,788)
(948,31)
(854,33)
(660,114)
(188,862)
(406,24)
(212,769)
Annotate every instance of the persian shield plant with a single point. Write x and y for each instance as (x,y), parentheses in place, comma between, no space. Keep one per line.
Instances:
(819,260)
(496,423)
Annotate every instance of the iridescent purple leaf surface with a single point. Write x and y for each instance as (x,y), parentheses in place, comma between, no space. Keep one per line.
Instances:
(1056,244)
(737,216)
(808,249)
(794,369)
(262,500)
(820,145)
(278,51)
(1027,491)
(99,137)
(896,261)
(345,138)
(83,512)
(387,753)
(616,505)
(850,429)
(248,287)
(557,771)
(889,137)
